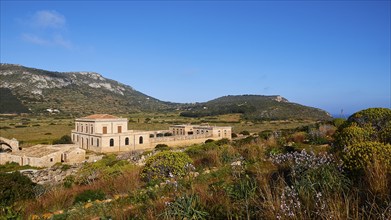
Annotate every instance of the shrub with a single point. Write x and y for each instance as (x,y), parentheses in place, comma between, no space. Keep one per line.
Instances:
(245,133)
(15,187)
(209,141)
(265,134)
(162,147)
(360,155)
(352,135)
(223,141)
(234,135)
(164,165)
(185,207)
(375,117)
(89,195)
(66,139)
(338,122)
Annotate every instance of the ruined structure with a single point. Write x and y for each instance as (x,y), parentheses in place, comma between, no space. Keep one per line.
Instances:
(108,133)
(41,155)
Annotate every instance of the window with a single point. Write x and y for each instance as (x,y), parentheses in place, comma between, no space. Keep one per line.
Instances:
(119,129)
(92,141)
(86,128)
(140,140)
(51,159)
(111,142)
(81,128)
(97,142)
(92,129)
(127,141)
(104,130)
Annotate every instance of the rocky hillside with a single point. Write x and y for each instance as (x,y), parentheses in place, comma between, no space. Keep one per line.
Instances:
(32,90)
(36,90)
(256,107)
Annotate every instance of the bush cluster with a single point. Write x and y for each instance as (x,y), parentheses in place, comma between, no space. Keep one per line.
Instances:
(166,164)
(364,138)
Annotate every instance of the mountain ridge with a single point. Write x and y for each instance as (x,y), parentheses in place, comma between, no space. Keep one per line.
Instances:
(82,93)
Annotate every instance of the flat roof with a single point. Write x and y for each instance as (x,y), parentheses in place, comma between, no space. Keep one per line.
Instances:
(44,150)
(100,116)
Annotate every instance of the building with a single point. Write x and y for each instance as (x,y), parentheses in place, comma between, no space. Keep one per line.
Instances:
(108,133)
(45,155)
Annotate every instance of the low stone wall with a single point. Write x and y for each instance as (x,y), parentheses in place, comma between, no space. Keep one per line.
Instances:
(176,141)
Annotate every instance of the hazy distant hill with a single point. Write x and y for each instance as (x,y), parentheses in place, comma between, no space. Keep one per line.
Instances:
(72,92)
(32,90)
(256,107)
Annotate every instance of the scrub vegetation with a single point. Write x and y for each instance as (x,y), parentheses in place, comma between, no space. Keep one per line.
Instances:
(336,169)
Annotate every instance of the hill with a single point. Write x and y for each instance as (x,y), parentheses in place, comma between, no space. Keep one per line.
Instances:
(70,92)
(256,107)
(33,90)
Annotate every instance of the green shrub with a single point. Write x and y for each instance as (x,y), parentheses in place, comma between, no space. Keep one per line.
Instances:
(89,195)
(164,165)
(245,133)
(234,135)
(162,147)
(185,207)
(106,168)
(265,134)
(359,155)
(15,187)
(338,122)
(66,139)
(352,135)
(374,117)
(209,141)
(223,141)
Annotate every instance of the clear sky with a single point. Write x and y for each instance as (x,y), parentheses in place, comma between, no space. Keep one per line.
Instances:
(331,55)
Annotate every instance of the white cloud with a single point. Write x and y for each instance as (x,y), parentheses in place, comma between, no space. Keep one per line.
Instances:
(55,40)
(59,40)
(34,39)
(47,28)
(48,19)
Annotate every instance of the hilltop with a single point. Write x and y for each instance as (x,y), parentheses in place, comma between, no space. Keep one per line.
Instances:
(71,92)
(257,107)
(30,90)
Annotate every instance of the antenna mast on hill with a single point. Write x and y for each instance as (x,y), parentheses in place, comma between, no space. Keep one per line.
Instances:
(342,116)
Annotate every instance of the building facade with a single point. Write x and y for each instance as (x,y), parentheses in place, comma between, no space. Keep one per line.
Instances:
(108,133)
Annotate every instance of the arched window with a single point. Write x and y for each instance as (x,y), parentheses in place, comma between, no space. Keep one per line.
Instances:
(140,140)
(111,142)
(97,142)
(127,141)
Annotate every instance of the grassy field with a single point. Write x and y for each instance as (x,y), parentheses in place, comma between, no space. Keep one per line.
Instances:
(31,130)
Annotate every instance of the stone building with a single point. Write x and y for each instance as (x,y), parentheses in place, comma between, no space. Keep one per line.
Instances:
(108,133)
(45,155)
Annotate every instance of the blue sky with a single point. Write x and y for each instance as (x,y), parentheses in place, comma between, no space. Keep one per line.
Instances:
(331,55)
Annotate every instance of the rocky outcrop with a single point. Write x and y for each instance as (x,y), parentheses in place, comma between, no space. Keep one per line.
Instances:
(52,175)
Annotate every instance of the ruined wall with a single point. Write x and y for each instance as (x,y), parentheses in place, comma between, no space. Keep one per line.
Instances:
(12,142)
